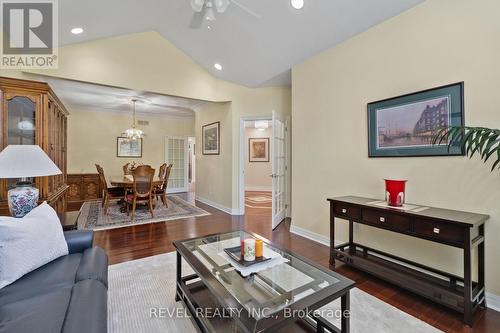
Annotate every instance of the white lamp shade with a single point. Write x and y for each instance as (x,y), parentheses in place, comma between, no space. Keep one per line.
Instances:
(18,161)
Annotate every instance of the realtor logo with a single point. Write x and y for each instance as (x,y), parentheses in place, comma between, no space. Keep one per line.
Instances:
(29,38)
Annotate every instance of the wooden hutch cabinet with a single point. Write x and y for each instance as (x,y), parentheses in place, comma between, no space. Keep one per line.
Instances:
(30,113)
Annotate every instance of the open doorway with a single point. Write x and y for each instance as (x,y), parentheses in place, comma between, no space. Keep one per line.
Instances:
(258,183)
(191,164)
(264,176)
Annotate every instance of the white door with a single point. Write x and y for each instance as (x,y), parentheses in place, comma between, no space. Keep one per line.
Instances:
(278,152)
(176,150)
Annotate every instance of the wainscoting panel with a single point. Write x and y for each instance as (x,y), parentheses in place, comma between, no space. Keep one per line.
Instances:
(82,187)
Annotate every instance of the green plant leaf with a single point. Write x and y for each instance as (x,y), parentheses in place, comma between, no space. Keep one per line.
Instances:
(472,140)
(489,146)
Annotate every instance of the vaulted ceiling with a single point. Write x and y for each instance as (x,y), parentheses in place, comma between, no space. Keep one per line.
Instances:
(253,51)
(84,96)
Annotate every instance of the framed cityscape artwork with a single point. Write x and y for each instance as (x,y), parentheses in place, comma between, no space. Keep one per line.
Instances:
(258,149)
(405,125)
(128,148)
(211,139)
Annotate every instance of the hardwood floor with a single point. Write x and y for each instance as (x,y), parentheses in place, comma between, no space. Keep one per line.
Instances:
(147,240)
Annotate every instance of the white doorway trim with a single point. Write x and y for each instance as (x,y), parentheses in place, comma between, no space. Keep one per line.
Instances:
(241,182)
(192,158)
(171,159)
(241,185)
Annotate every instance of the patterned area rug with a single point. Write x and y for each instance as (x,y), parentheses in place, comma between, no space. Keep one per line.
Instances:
(261,200)
(92,214)
(138,289)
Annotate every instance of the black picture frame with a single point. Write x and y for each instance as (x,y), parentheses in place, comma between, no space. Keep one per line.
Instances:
(208,146)
(403,126)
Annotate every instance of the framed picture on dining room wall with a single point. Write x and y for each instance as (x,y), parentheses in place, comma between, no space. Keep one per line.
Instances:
(211,139)
(258,149)
(128,148)
(404,126)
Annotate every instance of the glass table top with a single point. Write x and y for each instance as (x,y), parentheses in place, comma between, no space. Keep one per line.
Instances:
(267,291)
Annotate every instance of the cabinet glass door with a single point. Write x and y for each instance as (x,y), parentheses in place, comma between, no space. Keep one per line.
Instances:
(21,124)
(21,121)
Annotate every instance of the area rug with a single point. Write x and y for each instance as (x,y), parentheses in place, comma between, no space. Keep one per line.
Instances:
(138,289)
(260,200)
(92,214)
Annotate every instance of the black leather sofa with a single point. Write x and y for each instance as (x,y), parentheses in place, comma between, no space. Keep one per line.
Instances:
(66,295)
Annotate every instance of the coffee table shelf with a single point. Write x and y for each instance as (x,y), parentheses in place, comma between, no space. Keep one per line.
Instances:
(269,301)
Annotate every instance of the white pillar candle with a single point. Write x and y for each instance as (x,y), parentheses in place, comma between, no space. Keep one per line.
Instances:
(249,249)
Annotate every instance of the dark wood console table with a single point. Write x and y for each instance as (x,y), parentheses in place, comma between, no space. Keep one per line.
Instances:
(454,228)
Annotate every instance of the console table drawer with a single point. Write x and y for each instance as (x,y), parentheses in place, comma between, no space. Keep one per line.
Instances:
(439,230)
(386,220)
(347,211)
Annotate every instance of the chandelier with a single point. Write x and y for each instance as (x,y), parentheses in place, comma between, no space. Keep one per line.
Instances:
(133,133)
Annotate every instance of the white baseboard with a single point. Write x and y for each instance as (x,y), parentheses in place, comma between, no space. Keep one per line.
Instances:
(259,188)
(492,300)
(218,206)
(311,235)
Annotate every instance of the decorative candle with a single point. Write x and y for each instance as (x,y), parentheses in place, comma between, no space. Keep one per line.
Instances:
(242,247)
(249,249)
(259,248)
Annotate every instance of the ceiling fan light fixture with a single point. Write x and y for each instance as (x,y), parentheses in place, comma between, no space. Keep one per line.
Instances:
(297,4)
(221,5)
(197,5)
(218,66)
(210,14)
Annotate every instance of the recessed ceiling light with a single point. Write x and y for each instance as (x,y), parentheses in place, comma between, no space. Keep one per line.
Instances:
(297,4)
(218,66)
(76,31)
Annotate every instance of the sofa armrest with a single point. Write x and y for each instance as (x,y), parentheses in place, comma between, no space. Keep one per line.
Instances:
(79,240)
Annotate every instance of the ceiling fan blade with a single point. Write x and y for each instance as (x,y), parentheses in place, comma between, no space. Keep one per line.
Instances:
(246,9)
(221,5)
(197,5)
(197,19)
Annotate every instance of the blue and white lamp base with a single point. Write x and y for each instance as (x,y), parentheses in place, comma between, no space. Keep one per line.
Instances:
(22,199)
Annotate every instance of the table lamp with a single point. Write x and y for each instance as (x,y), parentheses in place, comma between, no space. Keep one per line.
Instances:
(23,161)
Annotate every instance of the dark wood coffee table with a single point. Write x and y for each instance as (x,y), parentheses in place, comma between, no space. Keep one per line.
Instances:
(283,298)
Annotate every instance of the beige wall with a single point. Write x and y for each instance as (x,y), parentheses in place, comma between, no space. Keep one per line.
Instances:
(257,174)
(148,62)
(213,172)
(92,139)
(436,43)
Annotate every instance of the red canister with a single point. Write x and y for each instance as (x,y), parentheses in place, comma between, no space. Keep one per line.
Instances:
(395,192)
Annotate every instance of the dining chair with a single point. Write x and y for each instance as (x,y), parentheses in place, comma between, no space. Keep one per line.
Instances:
(127,169)
(161,175)
(161,191)
(163,168)
(108,192)
(142,188)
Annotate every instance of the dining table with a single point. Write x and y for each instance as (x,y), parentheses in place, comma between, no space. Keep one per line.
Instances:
(127,181)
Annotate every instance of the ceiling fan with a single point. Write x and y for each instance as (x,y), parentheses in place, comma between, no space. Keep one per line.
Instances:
(206,9)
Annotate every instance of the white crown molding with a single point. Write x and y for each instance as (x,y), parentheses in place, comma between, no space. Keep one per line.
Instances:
(126,113)
(218,206)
